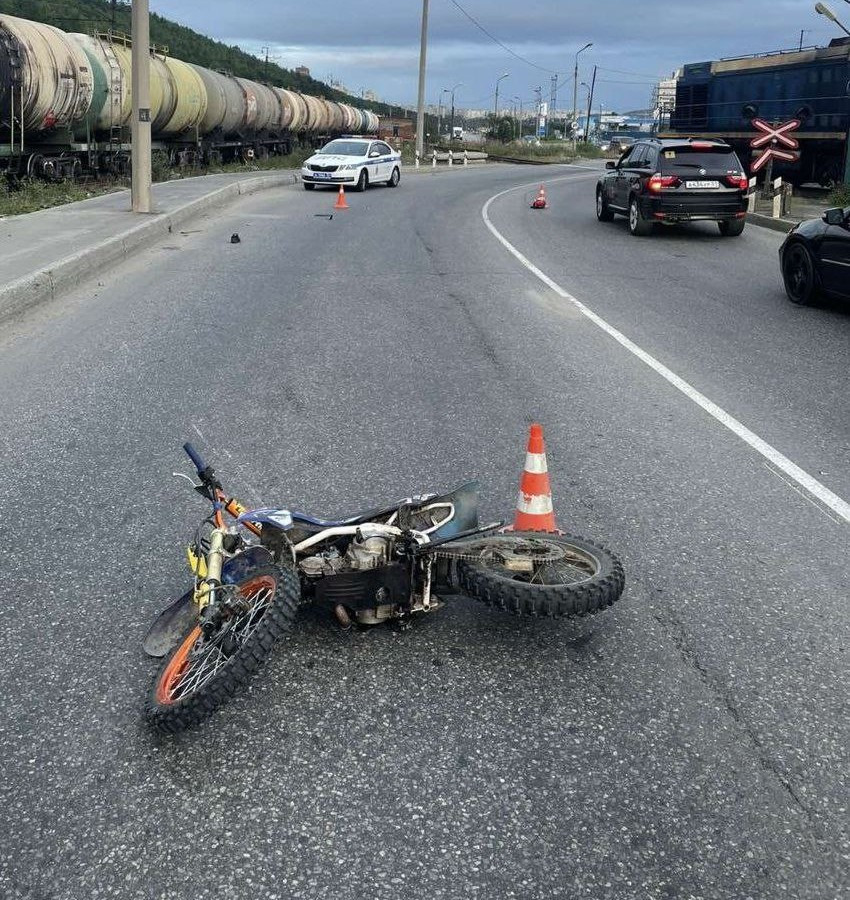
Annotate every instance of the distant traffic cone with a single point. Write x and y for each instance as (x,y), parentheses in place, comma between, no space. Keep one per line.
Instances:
(340,199)
(534,510)
(540,199)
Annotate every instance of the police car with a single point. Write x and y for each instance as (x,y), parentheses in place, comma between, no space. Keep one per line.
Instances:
(353,161)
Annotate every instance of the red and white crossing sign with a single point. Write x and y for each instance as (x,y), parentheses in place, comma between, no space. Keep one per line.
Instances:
(770,153)
(775,135)
(776,141)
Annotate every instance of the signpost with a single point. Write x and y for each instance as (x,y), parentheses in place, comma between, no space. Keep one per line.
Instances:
(774,142)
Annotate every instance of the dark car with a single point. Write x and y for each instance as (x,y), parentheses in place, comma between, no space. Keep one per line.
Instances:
(683,180)
(815,257)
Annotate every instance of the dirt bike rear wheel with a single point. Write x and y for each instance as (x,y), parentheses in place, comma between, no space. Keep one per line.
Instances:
(201,674)
(540,574)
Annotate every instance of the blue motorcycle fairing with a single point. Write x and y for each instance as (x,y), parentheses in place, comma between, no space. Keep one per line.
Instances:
(239,567)
(465,500)
(277,518)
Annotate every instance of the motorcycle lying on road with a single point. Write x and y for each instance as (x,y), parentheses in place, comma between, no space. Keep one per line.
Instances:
(386,564)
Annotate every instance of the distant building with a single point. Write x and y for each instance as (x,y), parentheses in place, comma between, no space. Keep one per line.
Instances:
(371,96)
(396,130)
(664,100)
(303,70)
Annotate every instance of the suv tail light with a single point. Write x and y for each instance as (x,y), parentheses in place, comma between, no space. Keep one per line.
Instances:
(738,181)
(659,182)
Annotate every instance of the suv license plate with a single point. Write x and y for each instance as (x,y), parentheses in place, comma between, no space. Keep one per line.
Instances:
(702,184)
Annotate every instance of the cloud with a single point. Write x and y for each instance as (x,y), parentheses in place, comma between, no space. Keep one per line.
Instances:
(379,42)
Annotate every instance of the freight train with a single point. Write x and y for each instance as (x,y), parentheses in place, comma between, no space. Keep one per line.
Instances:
(66,103)
(718,100)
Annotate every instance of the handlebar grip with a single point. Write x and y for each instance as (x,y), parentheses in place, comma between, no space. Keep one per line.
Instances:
(196,457)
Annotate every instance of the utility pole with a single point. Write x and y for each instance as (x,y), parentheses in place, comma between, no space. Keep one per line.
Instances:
(496,104)
(114,10)
(590,105)
(539,112)
(140,126)
(420,112)
(553,99)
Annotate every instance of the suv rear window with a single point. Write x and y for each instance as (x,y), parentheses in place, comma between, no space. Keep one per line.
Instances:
(722,159)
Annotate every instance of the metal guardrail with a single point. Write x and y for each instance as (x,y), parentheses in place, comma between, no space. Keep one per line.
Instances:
(451,158)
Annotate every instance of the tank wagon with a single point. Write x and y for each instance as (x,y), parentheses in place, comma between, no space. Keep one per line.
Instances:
(718,100)
(66,104)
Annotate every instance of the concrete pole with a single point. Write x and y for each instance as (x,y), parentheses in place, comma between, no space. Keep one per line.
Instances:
(420,112)
(575,91)
(140,126)
(575,100)
(590,105)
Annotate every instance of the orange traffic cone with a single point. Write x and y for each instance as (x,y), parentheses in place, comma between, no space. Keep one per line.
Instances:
(534,510)
(340,199)
(540,199)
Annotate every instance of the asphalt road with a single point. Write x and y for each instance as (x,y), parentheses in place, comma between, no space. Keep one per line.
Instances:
(691,742)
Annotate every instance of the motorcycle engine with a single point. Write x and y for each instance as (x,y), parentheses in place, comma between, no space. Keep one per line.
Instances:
(368,553)
(362,553)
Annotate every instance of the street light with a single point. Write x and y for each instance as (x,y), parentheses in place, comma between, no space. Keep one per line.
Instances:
(440,112)
(519,100)
(575,88)
(823,10)
(452,124)
(496,105)
(420,111)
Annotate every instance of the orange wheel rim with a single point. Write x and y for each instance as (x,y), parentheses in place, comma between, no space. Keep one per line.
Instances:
(173,674)
(175,668)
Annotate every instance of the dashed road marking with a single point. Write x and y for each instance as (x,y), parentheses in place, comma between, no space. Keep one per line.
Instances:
(815,488)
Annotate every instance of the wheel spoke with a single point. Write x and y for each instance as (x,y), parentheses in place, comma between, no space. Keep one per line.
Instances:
(208,657)
(552,563)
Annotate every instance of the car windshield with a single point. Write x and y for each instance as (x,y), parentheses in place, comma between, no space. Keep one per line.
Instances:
(345,148)
(721,158)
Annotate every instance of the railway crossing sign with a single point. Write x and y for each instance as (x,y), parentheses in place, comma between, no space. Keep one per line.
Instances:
(776,141)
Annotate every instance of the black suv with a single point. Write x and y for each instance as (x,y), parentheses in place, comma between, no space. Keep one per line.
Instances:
(682,180)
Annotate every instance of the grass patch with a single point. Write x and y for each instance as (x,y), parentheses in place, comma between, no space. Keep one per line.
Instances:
(547,151)
(840,196)
(31,195)
(292,160)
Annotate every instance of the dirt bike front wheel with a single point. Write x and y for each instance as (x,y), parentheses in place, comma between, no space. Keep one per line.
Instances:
(202,673)
(541,574)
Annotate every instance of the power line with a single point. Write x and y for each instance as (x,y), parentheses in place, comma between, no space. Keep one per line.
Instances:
(637,74)
(495,40)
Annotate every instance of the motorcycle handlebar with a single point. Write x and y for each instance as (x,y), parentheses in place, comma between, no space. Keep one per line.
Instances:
(196,457)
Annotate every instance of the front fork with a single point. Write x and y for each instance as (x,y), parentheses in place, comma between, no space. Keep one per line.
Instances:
(206,593)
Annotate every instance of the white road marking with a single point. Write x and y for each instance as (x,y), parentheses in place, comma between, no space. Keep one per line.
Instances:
(814,487)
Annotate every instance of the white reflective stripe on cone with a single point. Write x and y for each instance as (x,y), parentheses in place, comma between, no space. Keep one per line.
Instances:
(539,505)
(536,463)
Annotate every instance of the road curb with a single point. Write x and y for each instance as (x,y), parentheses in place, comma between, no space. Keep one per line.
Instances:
(45,284)
(782,225)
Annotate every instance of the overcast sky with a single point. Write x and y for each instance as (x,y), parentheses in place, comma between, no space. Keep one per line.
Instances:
(375,45)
